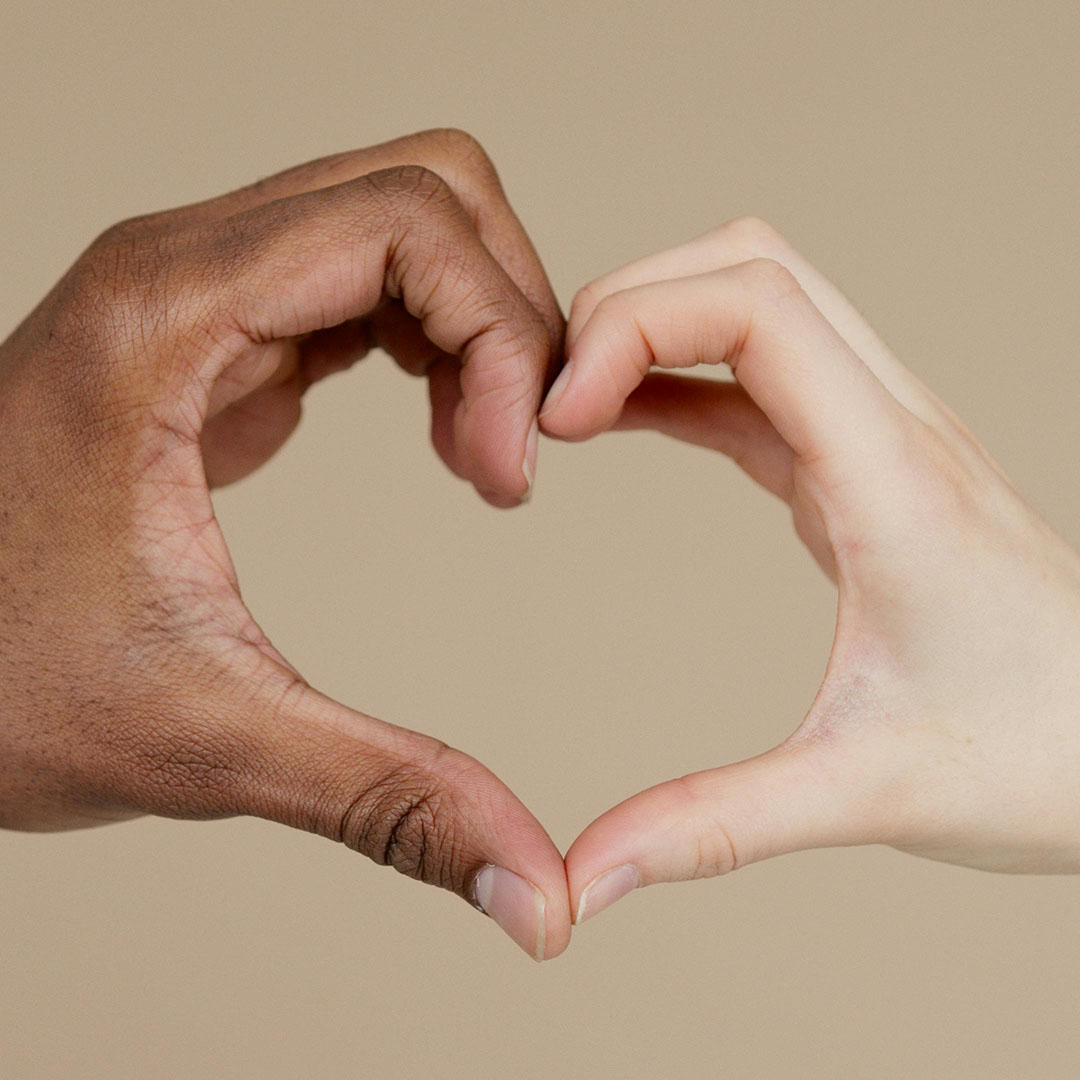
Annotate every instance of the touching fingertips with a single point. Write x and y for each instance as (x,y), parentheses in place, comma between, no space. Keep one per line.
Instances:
(557,391)
(605,890)
(518,907)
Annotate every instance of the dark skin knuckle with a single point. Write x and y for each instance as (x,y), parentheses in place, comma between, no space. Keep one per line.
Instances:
(458,158)
(124,290)
(404,819)
(410,188)
(427,235)
(123,232)
(468,153)
(456,139)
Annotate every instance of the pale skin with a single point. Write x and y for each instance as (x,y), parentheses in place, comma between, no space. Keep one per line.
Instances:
(173,358)
(948,720)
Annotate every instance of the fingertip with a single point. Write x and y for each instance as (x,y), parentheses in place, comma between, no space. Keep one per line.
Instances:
(500,501)
(499,450)
(563,416)
(598,852)
(444,394)
(558,920)
(529,902)
(557,930)
(589,393)
(604,890)
(550,407)
(520,882)
(520,909)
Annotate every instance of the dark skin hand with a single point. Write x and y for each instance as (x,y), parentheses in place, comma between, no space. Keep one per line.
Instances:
(173,357)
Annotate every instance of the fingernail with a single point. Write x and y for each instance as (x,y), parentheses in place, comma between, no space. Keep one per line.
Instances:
(604,890)
(528,465)
(558,388)
(515,905)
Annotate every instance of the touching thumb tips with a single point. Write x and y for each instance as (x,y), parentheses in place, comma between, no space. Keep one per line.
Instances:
(707,824)
(429,811)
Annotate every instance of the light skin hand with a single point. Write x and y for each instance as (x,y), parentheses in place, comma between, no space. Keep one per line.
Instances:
(173,357)
(947,721)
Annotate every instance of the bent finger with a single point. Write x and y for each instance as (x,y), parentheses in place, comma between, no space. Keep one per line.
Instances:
(742,240)
(325,257)
(755,317)
(454,155)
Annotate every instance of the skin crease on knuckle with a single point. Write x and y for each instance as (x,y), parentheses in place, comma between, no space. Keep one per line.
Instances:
(467,158)
(740,240)
(426,234)
(405,818)
(409,190)
(439,260)
(769,281)
(460,160)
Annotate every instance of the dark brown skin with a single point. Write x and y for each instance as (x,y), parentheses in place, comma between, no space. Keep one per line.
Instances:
(173,357)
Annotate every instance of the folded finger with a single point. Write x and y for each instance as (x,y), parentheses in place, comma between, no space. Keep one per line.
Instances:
(754,317)
(332,255)
(455,156)
(742,240)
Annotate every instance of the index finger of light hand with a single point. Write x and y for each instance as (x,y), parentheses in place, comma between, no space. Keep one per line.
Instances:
(753,317)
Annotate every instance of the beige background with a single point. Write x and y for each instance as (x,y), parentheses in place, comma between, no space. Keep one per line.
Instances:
(649,614)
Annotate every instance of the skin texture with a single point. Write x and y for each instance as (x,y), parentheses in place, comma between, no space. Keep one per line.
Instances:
(173,357)
(946,724)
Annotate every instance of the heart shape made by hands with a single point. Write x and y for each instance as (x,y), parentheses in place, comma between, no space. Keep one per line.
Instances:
(173,357)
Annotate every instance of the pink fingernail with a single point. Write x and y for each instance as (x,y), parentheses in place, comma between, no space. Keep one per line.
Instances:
(558,388)
(604,890)
(515,905)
